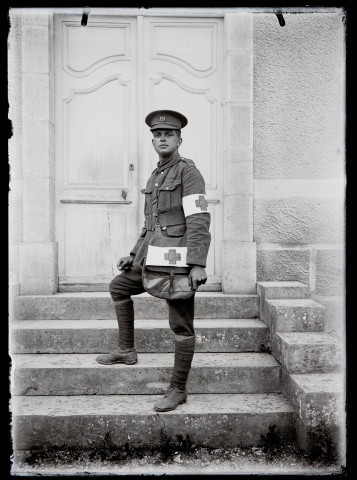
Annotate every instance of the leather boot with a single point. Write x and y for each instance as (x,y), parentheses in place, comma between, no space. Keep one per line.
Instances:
(126,352)
(129,357)
(176,394)
(172,398)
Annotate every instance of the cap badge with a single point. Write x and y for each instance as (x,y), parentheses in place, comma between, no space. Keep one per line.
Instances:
(162,119)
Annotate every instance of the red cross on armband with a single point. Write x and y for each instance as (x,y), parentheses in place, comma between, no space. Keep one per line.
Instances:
(202,203)
(172,256)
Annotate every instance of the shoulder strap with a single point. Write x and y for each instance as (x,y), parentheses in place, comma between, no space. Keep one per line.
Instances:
(188,161)
(176,170)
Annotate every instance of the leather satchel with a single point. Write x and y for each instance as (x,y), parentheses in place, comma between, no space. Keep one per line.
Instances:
(165,272)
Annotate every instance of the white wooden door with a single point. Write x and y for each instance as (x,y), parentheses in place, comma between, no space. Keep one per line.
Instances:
(96,167)
(109,75)
(183,71)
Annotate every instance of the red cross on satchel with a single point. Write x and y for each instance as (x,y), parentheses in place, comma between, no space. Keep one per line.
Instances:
(165,272)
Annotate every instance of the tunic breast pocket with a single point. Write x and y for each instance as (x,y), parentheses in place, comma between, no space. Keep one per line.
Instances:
(170,196)
(148,193)
(176,230)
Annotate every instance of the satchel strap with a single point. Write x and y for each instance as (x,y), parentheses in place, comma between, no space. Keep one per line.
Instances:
(168,270)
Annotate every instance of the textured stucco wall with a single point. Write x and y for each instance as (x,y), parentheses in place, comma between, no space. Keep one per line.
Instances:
(299,152)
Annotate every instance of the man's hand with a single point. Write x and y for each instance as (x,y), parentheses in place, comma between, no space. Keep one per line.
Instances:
(197,277)
(125,263)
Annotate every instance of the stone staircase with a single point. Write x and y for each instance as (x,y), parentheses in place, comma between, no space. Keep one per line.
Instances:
(260,360)
(61,396)
(313,379)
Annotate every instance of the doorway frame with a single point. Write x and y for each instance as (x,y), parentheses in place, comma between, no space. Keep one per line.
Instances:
(38,251)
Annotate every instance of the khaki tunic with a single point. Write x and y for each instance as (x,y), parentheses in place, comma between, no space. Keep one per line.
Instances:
(164,191)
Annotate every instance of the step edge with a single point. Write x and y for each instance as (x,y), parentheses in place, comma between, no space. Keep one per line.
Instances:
(267,360)
(331,382)
(17,402)
(106,295)
(288,337)
(294,302)
(140,323)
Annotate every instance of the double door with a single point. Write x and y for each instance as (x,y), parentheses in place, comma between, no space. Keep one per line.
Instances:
(109,75)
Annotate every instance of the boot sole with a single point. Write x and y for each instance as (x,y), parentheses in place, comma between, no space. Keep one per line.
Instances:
(169,409)
(117,361)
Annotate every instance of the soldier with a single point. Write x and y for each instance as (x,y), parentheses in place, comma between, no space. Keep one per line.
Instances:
(175,200)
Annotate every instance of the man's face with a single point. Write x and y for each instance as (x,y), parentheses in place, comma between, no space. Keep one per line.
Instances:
(165,142)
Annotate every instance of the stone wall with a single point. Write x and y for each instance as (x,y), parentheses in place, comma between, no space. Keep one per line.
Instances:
(239,249)
(299,177)
(15,225)
(33,254)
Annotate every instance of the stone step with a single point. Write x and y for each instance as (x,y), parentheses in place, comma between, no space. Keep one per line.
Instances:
(271,290)
(99,306)
(103,286)
(214,420)
(283,290)
(80,374)
(307,352)
(318,400)
(295,315)
(101,336)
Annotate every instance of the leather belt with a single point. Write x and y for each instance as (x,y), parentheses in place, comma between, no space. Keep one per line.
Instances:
(165,220)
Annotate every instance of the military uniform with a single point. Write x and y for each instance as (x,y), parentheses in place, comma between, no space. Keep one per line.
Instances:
(175,198)
(175,201)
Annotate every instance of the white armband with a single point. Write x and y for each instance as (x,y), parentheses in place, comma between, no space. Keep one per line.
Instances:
(195,203)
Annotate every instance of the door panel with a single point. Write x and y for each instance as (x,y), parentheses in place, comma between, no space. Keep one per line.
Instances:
(183,71)
(95,132)
(95,107)
(96,177)
(95,231)
(87,49)
(109,75)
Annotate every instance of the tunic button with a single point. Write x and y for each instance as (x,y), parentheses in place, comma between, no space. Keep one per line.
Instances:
(162,173)
(167,188)
(156,184)
(164,228)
